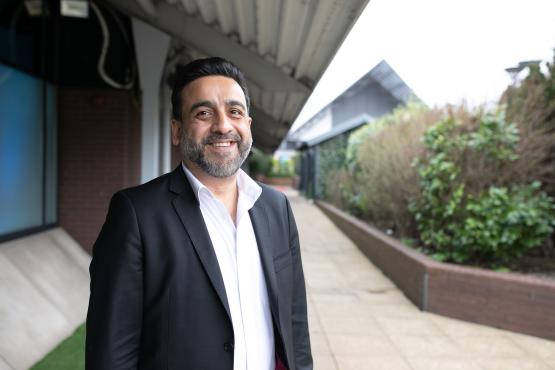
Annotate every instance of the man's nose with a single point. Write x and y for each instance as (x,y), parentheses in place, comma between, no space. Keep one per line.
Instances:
(222,124)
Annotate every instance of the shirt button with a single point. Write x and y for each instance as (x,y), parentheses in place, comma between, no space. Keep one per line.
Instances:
(228,347)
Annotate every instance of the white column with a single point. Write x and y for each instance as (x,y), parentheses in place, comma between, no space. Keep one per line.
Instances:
(152,47)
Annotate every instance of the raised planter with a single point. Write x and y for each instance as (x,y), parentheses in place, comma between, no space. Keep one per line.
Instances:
(278,181)
(509,301)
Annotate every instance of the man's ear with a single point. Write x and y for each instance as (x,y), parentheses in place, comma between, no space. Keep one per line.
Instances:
(249,120)
(176,132)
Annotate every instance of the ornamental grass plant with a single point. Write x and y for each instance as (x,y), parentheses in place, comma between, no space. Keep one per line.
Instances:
(382,169)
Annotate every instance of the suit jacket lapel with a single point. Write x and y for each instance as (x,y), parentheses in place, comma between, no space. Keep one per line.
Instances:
(187,207)
(262,232)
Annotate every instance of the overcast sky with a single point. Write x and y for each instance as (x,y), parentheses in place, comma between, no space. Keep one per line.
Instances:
(445,51)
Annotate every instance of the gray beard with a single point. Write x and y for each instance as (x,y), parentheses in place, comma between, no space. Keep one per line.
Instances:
(223,166)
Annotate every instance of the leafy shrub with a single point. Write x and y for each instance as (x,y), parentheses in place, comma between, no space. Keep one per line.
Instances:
(260,162)
(531,104)
(340,190)
(462,223)
(504,222)
(494,138)
(532,100)
(404,114)
(384,180)
(281,168)
(483,187)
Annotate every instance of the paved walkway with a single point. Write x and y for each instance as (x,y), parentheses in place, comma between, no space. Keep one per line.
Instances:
(360,320)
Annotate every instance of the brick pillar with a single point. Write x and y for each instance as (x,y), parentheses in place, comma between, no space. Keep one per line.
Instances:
(99,153)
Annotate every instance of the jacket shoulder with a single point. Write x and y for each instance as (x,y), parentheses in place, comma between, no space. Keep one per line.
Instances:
(269,194)
(147,191)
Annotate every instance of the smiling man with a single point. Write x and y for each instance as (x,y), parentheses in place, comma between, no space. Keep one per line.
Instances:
(200,268)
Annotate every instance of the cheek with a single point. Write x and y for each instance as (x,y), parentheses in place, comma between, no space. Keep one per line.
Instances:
(192,132)
(195,133)
(244,129)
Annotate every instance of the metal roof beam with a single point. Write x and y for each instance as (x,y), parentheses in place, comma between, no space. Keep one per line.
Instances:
(211,42)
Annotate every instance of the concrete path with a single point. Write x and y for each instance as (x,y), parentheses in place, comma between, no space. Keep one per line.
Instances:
(360,320)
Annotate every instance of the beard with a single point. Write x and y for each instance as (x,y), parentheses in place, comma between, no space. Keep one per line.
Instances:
(220,165)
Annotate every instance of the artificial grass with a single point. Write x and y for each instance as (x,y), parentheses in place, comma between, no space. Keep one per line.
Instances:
(68,355)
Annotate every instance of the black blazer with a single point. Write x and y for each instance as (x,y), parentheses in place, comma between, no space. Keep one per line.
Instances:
(157,295)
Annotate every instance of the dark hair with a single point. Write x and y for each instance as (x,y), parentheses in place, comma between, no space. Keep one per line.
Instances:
(198,68)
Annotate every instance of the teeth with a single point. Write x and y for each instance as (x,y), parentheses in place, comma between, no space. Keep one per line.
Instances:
(222,144)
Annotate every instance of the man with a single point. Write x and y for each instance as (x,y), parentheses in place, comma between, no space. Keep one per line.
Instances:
(200,268)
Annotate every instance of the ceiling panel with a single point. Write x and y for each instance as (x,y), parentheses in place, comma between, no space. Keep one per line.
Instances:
(283,46)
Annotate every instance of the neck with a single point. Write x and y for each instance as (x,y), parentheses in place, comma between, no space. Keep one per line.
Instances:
(223,188)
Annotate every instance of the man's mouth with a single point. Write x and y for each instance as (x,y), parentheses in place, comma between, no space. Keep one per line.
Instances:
(222,144)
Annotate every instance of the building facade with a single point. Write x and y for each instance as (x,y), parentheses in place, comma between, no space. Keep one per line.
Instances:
(375,94)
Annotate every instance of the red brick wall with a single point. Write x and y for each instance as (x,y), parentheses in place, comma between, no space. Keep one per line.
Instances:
(278,181)
(99,153)
(505,300)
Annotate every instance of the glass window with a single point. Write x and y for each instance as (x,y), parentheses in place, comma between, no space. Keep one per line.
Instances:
(28,116)
(21,151)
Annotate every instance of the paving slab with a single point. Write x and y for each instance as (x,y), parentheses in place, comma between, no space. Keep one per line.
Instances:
(4,365)
(44,288)
(24,335)
(53,268)
(359,319)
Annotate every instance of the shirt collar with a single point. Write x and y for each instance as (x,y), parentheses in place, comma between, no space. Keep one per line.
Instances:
(247,186)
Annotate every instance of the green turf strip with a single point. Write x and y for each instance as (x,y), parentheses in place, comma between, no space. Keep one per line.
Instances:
(68,355)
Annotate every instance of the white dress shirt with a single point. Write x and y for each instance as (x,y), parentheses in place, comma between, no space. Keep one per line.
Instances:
(245,286)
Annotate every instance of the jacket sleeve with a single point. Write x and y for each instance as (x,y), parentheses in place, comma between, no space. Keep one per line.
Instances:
(301,338)
(115,306)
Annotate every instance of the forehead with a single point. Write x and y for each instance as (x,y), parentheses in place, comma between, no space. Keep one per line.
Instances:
(212,88)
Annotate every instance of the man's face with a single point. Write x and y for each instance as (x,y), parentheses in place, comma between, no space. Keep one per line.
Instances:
(214,132)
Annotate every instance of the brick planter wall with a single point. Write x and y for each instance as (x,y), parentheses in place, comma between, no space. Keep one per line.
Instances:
(504,300)
(278,181)
(509,301)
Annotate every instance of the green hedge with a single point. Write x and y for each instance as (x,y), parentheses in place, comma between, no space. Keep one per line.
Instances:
(496,225)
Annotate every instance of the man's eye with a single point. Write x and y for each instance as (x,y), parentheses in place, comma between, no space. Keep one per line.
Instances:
(203,113)
(236,112)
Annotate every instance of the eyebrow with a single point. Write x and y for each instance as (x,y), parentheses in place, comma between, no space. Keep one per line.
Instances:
(203,103)
(235,102)
(209,104)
